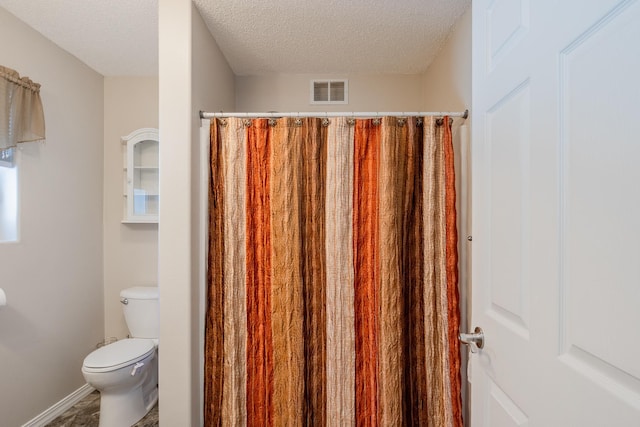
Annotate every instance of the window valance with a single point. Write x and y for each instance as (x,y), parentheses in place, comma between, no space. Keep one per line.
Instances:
(21,113)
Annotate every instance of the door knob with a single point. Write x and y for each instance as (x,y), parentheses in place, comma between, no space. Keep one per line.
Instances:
(475,341)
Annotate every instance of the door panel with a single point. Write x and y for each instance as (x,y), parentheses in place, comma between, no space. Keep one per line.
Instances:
(507,24)
(508,155)
(556,212)
(599,186)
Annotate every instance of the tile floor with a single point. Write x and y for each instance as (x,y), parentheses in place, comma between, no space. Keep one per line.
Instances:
(87,412)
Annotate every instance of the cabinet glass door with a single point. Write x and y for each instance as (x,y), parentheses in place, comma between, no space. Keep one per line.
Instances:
(145,178)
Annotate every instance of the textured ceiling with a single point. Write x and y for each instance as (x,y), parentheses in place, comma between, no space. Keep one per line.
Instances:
(114,37)
(330,36)
(119,37)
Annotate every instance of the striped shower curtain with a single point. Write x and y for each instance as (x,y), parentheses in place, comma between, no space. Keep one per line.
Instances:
(332,273)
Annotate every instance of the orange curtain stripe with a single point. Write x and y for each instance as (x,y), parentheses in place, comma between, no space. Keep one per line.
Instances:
(258,244)
(452,273)
(366,244)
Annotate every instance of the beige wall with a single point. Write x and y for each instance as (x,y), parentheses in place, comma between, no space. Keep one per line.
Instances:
(291,92)
(130,250)
(53,275)
(188,83)
(447,83)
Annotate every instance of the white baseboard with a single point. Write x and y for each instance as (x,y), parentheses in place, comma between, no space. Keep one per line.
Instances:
(59,408)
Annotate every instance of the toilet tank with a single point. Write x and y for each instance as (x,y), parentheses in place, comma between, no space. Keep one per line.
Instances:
(141,311)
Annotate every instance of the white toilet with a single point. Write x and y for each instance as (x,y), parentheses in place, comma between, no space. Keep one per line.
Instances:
(126,371)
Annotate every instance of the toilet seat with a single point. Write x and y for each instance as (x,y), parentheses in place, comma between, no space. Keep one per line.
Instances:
(118,355)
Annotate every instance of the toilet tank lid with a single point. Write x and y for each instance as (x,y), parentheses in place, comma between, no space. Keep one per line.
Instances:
(140,292)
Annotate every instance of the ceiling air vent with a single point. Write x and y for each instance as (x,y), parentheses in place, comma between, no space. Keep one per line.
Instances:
(329,91)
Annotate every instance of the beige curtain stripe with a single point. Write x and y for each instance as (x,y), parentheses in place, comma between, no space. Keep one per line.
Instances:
(286,285)
(340,293)
(235,313)
(433,249)
(430,315)
(391,193)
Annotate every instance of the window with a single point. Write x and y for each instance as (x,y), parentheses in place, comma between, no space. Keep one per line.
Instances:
(8,196)
(21,120)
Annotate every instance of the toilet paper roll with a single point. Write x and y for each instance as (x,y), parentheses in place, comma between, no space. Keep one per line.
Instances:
(3,298)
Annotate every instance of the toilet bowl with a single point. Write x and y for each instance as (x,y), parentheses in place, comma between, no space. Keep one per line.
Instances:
(126,371)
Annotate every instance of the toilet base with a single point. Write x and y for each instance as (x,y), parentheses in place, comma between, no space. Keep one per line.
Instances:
(125,409)
(126,398)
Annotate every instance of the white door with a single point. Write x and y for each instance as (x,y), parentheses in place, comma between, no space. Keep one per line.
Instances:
(556,213)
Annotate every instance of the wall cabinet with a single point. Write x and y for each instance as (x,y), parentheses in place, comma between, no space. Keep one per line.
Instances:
(141,176)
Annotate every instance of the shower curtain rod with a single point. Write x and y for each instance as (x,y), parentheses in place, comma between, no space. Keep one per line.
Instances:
(464,114)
